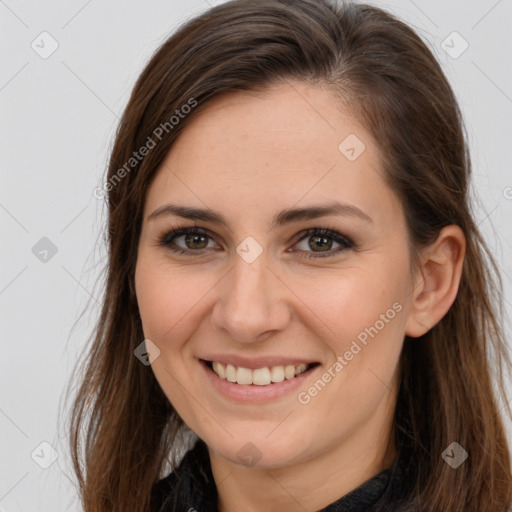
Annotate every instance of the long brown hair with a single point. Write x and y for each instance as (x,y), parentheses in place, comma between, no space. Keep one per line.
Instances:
(122,426)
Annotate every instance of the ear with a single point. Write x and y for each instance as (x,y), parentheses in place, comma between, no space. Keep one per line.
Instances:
(436,281)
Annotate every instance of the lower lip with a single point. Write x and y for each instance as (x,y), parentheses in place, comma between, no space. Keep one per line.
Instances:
(252,392)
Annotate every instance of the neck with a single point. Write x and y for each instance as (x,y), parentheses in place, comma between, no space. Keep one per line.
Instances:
(315,481)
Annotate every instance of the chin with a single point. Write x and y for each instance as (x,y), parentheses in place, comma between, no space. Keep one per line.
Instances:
(260,452)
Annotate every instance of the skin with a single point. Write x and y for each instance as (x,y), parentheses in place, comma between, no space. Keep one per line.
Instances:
(247,156)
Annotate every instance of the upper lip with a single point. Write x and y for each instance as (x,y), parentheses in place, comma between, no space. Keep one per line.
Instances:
(256,362)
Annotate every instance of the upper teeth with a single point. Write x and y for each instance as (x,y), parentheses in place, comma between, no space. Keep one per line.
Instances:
(260,376)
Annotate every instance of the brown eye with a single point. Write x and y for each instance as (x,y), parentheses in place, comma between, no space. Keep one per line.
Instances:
(193,240)
(320,243)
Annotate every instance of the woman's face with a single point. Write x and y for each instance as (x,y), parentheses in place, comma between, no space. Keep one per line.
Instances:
(256,290)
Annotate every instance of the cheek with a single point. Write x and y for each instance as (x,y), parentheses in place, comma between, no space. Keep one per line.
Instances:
(162,298)
(170,300)
(355,301)
(364,332)
(360,314)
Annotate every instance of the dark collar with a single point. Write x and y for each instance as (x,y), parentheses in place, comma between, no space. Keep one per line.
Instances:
(191,486)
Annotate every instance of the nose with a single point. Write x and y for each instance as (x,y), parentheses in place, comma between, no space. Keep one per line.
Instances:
(252,302)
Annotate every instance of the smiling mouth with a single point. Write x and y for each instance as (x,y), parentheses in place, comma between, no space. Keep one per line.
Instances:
(265,376)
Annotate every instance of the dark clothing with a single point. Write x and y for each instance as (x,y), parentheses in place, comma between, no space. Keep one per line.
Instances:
(192,488)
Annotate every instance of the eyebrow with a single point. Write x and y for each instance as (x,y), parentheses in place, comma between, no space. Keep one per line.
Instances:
(287,216)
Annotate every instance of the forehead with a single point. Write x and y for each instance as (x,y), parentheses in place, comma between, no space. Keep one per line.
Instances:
(276,147)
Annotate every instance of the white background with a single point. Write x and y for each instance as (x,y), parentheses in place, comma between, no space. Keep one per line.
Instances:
(57,124)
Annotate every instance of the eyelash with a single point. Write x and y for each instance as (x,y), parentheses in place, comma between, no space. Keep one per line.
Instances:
(345,243)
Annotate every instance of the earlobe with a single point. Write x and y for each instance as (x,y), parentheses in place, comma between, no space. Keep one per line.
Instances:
(438,280)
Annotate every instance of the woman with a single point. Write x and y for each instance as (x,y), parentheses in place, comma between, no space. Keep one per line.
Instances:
(295,279)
